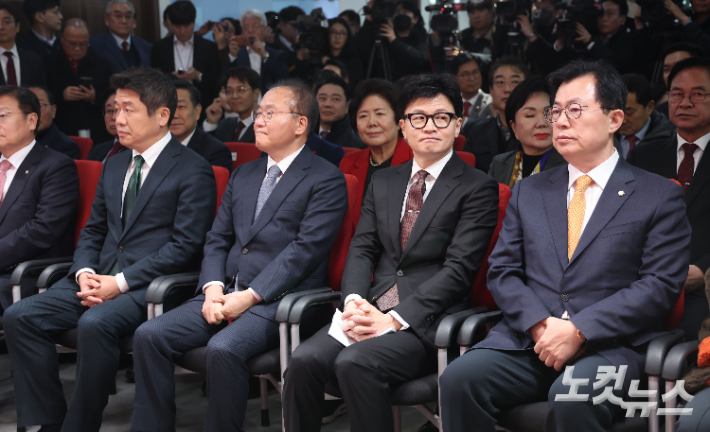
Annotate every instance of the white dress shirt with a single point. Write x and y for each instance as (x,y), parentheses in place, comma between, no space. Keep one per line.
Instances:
(183,53)
(600,177)
(701,142)
(283,166)
(254,60)
(120,41)
(639,136)
(15,59)
(149,158)
(186,141)
(286,42)
(15,160)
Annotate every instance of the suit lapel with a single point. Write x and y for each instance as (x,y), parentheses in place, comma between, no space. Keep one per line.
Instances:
(700,178)
(24,71)
(115,51)
(198,54)
(396,188)
(196,141)
(555,201)
(668,160)
(607,207)
(26,168)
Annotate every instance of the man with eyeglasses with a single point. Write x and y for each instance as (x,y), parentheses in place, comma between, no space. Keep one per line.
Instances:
(47,133)
(272,235)
(100,152)
(118,46)
(77,80)
(286,40)
(684,157)
(423,232)
(45,16)
(242,87)
(19,67)
(466,70)
(591,258)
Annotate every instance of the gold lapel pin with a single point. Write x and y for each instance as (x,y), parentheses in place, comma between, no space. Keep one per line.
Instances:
(621,193)
(27,172)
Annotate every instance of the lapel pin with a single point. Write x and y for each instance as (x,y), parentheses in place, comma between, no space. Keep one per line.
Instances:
(622,193)
(27,172)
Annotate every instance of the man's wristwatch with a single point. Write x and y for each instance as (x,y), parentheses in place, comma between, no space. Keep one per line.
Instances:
(532,35)
(581,336)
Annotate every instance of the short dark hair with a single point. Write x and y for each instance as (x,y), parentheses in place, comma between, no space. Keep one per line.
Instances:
(473,5)
(340,65)
(689,63)
(428,86)
(154,88)
(110,91)
(610,89)
(12,11)
(304,101)
(411,7)
(334,79)
(623,6)
(191,89)
(290,13)
(461,60)
(182,13)
(31,7)
(638,85)
(50,95)
(351,16)
(26,100)
(510,61)
(370,87)
(691,48)
(244,74)
(522,92)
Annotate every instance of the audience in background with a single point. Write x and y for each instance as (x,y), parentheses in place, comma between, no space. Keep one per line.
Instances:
(19,67)
(335,124)
(466,69)
(45,16)
(242,90)
(340,47)
(339,68)
(47,133)
(102,151)
(353,20)
(286,40)
(118,46)
(478,37)
(672,55)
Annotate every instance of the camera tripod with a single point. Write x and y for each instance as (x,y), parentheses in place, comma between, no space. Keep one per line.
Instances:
(379,50)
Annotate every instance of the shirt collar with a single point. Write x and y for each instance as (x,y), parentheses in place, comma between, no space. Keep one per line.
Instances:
(599,174)
(473,100)
(286,42)
(247,121)
(701,142)
(13,50)
(285,162)
(120,41)
(642,133)
(152,153)
(49,42)
(434,169)
(188,43)
(186,141)
(19,156)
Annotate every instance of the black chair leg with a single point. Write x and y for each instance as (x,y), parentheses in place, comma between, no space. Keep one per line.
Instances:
(264,402)
(130,376)
(21,429)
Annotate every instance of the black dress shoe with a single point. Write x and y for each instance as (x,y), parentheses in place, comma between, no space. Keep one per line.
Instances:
(428,427)
(51,428)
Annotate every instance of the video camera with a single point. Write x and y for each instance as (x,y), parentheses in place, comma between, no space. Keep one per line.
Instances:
(584,12)
(445,23)
(381,12)
(655,15)
(508,10)
(313,34)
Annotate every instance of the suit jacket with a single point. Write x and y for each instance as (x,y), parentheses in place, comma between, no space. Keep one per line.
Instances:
(211,149)
(73,116)
(357,164)
(31,42)
(327,150)
(166,231)
(273,69)
(205,60)
(484,139)
(342,134)
(104,45)
(503,164)
(286,248)
(58,141)
(38,214)
(434,273)
(660,129)
(227,126)
(32,70)
(100,151)
(477,111)
(659,157)
(626,273)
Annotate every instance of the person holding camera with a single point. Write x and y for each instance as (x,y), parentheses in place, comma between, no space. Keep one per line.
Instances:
(694,30)
(478,37)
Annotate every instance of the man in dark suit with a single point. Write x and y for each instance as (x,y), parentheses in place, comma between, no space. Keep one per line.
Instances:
(152,209)
(186,55)
(424,229)
(278,219)
(48,134)
(591,258)
(271,64)
(335,125)
(121,49)
(184,128)
(46,20)
(39,189)
(325,149)
(684,157)
(19,67)
(102,151)
(242,86)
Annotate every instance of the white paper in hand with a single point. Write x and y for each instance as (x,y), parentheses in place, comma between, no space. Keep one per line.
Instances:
(336,330)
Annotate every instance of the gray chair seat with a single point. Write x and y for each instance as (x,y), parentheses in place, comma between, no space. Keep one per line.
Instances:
(419,391)
(531,418)
(69,339)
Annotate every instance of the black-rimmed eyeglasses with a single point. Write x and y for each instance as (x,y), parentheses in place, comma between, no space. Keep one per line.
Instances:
(419,121)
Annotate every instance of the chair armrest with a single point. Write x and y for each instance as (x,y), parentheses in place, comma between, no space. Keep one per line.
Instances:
(34,266)
(449,326)
(167,292)
(473,323)
(284,309)
(298,309)
(658,349)
(52,273)
(674,365)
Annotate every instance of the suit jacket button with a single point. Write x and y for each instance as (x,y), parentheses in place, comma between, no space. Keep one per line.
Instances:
(120,248)
(245,251)
(400,273)
(565,297)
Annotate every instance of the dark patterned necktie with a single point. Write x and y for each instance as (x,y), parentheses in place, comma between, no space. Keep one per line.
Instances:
(117,148)
(687,165)
(124,45)
(324,134)
(267,186)
(238,131)
(11,73)
(632,143)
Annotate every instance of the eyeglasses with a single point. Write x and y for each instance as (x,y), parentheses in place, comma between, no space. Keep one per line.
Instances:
(419,121)
(467,75)
(73,44)
(677,96)
(238,90)
(44,106)
(110,112)
(119,16)
(503,83)
(268,115)
(573,111)
(337,33)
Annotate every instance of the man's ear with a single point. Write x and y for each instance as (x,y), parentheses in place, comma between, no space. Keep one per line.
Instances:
(198,108)
(163,116)
(616,118)
(401,127)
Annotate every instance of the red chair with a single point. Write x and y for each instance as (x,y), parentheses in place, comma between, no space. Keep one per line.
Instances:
(221,176)
(459,142)
(350,149)
(84,144)
(242,153)
(341,246)
(467,157)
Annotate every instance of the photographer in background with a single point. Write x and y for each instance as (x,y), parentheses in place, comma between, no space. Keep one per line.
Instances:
(286,39)
(695,30)
(478,37)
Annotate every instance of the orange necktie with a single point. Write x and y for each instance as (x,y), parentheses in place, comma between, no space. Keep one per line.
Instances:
(575,214)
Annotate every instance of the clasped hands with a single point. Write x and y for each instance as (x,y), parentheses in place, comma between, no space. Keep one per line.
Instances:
(218,306)
(364,321)
(556,342)
(95,289)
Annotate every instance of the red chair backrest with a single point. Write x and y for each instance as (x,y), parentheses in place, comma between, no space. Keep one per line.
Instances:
(467,157)
(481,296)
(242,153)
(341,245)
(221,176)
(89,174)
(459,143)
(84,144)
(350,149)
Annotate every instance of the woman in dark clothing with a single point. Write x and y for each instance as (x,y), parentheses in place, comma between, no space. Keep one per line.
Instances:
(340,47)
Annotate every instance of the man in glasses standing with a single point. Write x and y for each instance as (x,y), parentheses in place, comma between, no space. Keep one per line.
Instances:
(423,232)
(591,257)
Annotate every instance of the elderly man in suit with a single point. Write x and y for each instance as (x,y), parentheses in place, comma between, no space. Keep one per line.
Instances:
(152,209)
(424,229)
(591,258)
(19,67)
(39,189)
(102,151)
(118,46)
(683,157)
(278,219)
(242,86)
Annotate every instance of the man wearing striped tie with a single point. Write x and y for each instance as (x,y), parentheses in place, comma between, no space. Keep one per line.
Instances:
(591,258)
